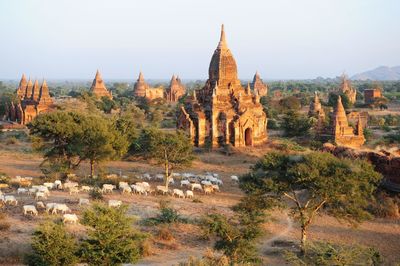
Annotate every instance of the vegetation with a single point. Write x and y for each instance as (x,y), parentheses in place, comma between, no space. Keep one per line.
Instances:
(237,235)
(52,245)
(314,182)
(111,238)
(70,138)
(295,124)
(326,254)
(171,150)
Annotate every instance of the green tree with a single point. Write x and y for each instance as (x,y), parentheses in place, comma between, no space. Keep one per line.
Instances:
(295,124)
(70,138)
(333,97)
(312,182)
(172,150)
(290,103)
(100,141)
(236,236)
(111,239)
(52,245)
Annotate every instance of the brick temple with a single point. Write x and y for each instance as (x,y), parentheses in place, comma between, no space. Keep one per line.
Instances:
(223,112)
(98,87)
(32,100)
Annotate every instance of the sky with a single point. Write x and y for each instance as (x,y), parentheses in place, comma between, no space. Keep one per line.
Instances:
(285,39)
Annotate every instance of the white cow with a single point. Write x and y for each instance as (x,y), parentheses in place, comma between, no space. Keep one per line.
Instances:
(114,203)
(147,176)
(126,189)
(9,199)
(40,195)
(215,188)
(40,205)
(178,193)
(196,186)
(108,188)
(58,184)
(139,189)
(50,206)
(63,208)
(86,188)
(73,190)
(208,190)
(22,190)
(70,218)
(159,176)
(235,178)
(121,185)
(189,194)
(32,191)
(49,185)
(185,183)
(83,201)
(68,185)
(30,209)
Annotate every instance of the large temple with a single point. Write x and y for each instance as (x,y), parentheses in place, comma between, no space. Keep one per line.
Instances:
(32,100)
(98,87)
(223,112)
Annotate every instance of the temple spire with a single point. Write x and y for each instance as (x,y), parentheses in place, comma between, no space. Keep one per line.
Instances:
(222,41)
(141,77)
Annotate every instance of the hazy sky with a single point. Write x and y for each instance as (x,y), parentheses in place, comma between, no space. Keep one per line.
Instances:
(280,39)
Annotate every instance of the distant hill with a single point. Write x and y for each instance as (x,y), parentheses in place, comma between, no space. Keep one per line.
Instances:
(379,73)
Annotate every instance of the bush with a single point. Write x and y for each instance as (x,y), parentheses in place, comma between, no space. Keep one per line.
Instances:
(165,234)
(96,194)
(111,238)
(4,225)
(167,215)
(52,245)
(386,206)
(209,259)
(321,253)
(11,141)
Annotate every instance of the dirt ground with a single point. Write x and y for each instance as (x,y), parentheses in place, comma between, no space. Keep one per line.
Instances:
(382,234)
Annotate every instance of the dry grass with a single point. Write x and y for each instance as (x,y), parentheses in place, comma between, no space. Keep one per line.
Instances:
(382,234)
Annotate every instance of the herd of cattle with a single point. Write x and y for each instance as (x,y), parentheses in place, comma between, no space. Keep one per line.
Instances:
(206,184)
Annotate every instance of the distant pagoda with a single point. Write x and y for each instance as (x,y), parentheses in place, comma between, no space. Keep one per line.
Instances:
(175,90)
(343,134)
(347,89)
(98,87)
(258,85)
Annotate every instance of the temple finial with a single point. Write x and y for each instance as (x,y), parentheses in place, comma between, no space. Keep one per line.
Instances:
(222,41)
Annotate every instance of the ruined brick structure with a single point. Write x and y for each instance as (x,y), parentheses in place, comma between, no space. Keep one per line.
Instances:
(223,111)
(32,100)
(343,134)
(347,89)
(259,86)
(316,111)
(175,90)
(98,87)
(142,89)
(371,94)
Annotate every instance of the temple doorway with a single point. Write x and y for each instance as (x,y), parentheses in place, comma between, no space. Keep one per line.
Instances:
(248,137)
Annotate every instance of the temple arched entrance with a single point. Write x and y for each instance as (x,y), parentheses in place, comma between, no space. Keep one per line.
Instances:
(248,137)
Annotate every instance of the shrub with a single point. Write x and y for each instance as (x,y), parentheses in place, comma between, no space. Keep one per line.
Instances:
(4,225)
(111,238)
(167,215)
(209,259)
(321,253)
(165,233)
(386,206)
(52,245)
(96,194)
(11,141)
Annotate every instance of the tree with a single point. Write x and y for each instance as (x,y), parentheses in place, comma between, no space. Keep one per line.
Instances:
(314,182)
(52,245)
(100,141)
(72,137)
(333,97)
(236,235)
(295,124)
(290,103)
(169,149)
(111,239)
(106,104)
